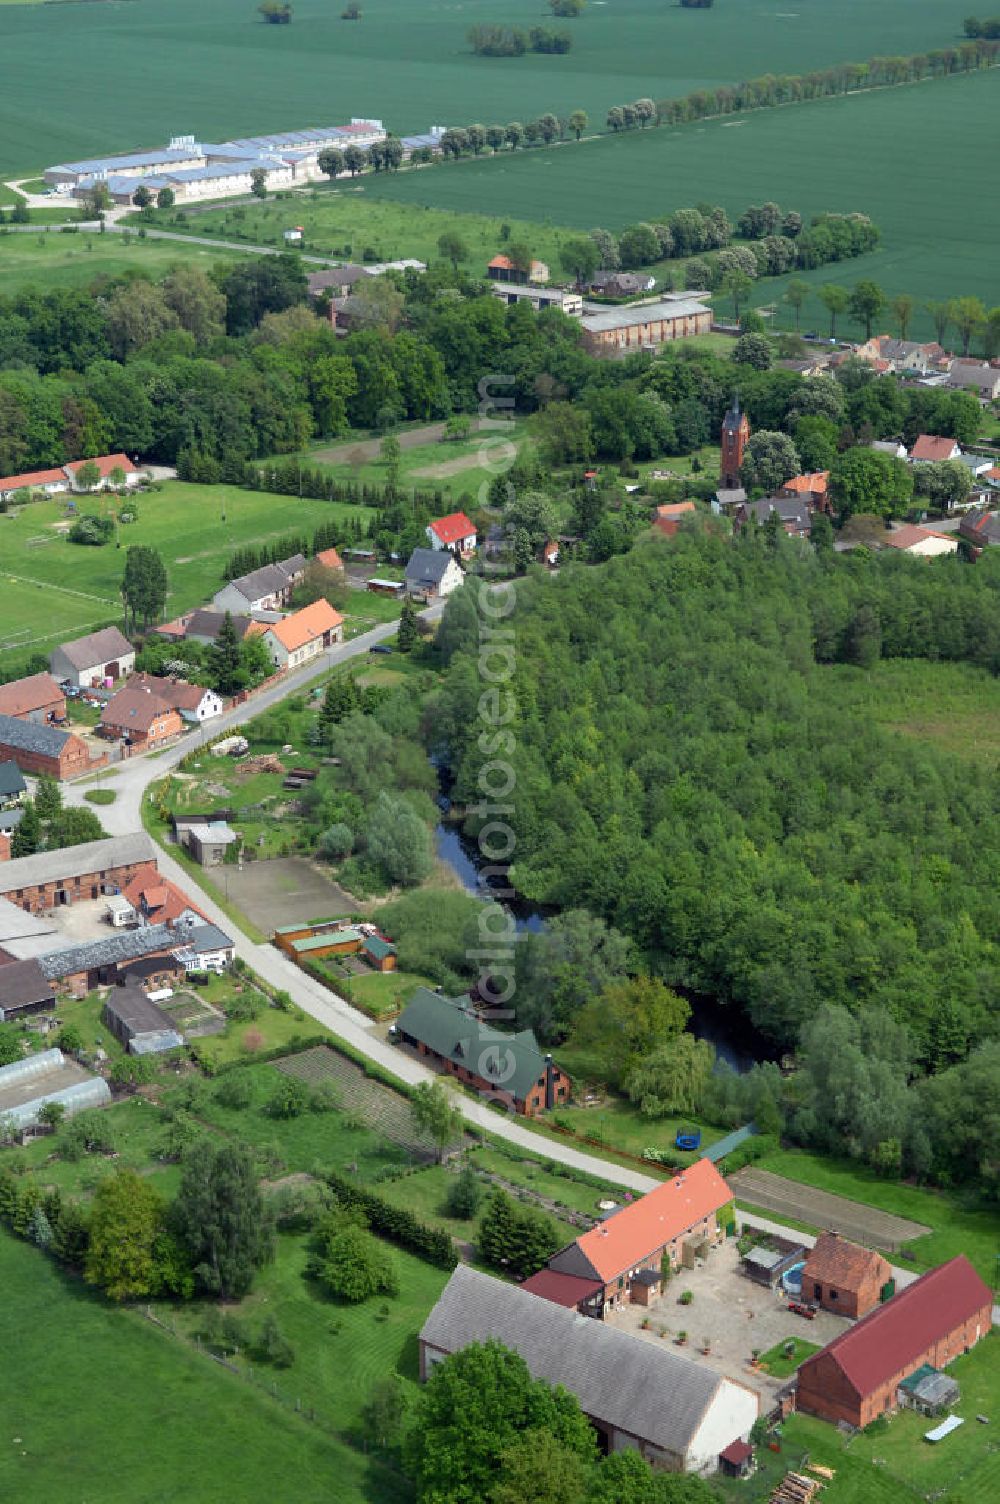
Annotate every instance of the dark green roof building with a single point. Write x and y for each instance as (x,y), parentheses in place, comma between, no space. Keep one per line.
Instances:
(511,1067)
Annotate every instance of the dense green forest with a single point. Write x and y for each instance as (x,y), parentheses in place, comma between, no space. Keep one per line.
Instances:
(685,772)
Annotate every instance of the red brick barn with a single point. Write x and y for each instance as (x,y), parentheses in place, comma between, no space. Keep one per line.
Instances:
(842,1277)
(856,1378)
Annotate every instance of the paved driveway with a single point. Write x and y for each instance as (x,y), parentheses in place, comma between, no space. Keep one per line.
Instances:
(734,1313)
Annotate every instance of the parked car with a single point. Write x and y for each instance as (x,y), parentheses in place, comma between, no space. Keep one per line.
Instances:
(381,647)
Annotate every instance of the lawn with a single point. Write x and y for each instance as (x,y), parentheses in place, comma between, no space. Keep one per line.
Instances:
(76,259)
(183,1427)
(384,993)
(56,589)
(958,1227)
(409,65)
(618,1124)
(341,1350)
(779,1363)
(779,154)
(894,1461)
(951,705)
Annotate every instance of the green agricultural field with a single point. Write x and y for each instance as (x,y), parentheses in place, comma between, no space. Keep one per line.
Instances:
(183,1427)
(56,589)
(75,260)
(216,70)
(459,468)
(838,154)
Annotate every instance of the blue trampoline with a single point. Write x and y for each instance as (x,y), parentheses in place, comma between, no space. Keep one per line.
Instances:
(688,1141)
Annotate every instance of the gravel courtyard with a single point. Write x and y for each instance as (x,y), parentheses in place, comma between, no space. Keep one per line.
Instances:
(734,1313)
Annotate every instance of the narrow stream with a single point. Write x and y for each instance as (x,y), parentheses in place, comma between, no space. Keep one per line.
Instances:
(734,1040)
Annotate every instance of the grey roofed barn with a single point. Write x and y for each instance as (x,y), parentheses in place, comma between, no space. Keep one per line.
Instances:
(621,1380)
(208,624)
(23,988)
(98,647)
(75,861)
(126,945)
(597,319)
(29,736)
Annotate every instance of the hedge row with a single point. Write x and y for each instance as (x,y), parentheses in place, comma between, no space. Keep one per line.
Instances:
(395,1223)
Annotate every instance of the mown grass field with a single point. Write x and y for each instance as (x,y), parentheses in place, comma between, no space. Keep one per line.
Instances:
(57,589)
(894,1463)
(216,70)
(182,1428)
(953,706)
(844,154)
(56,259)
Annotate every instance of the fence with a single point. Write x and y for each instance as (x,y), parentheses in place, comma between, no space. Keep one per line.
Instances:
(268,1385)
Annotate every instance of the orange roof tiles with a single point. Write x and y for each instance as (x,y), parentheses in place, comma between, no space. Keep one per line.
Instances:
(930,446)
(162,901)
(675,508)
(105,463)
(842,1264)
(814,483)
(329,558)
(36,692)
(454,528)
(304,626)
(648,1224)
(31,478)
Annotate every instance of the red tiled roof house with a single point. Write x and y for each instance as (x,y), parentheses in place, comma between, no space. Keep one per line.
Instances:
(297,638)
(931,448)
(844,1277)
(621,1252)
(856,1378)
(141,718)
(455,532)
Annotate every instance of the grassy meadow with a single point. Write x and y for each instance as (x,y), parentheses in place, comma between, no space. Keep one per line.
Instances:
(954,706)
(57,259)
(216,70)
(56,589)
(182,1427)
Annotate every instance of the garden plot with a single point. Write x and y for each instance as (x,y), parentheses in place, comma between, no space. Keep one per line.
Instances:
(382,1109)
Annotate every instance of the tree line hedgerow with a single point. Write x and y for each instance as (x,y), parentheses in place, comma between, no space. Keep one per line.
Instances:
(394,1222)
(755,843)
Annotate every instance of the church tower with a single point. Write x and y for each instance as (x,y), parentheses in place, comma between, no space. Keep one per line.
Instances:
(735,432)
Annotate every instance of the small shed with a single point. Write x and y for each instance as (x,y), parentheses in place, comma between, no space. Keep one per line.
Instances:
(645,1287)
(766,1263)
(379,953)
(928,1391)
(119,911)
(209,843)
(137,1022)
(737,1460)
